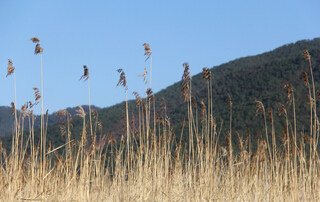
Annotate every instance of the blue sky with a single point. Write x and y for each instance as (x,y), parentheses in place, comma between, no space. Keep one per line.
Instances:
(108,35)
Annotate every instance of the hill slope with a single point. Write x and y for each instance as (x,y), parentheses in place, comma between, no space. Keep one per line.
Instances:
(261,77)
(7,118)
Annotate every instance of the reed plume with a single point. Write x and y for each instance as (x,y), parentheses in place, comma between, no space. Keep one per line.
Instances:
(85,76)
(123,82)
(206,74)
(207,77)
(261,109)
(10,70)
(313,108)
(147,50)
(186,78)
(38,49)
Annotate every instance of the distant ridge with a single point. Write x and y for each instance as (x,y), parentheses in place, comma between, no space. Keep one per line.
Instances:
(246,80)
(7,119)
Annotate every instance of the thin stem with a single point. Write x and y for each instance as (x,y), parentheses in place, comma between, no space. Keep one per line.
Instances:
(150,69)
(43,138)
(89,107)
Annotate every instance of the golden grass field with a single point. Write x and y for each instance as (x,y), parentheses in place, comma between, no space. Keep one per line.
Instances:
(151,165)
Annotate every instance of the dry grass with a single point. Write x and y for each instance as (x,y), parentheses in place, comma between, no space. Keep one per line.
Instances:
(152,166)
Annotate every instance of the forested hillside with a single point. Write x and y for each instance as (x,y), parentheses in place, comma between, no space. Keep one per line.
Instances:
(246,80)
(7,118)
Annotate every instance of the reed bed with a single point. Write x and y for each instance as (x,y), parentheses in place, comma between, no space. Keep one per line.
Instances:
(152,164)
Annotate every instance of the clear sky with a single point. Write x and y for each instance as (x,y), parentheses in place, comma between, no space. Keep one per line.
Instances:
(108,35)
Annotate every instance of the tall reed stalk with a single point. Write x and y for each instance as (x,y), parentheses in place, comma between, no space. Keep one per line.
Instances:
(86,77)
(123,82)
(229,145)
(39,49)
(10,70)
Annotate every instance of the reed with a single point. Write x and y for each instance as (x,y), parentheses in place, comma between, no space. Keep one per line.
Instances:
(10,70)
(85,76)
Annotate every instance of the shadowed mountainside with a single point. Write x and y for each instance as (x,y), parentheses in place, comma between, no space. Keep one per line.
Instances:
(261,77)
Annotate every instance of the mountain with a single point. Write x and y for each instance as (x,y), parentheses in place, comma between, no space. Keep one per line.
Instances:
(7,118)
(246,80)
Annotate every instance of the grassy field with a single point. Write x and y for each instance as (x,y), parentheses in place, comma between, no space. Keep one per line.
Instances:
(151,164)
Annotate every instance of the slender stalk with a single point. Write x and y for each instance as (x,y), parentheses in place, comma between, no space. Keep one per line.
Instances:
(308,57)
(43,138)
(15,103)
(230,148)
(39,49)
(89,107)
(150,68)
(295,147)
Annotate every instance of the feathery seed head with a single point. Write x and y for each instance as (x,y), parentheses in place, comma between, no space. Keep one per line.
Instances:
(37,95)
(260,107)
(144,75)
(185,81)
(85,75)
(203,111)
(63,115)
(193,100)
(30,105)
(138,99)
(289,91)
(24,108)
(305,78)
(10,68)
(122,80)
(149,92)
(147,50)
(185,91)
(206,74)
(110,138)
(229,101)
(38,48)
(186,73)
(160,120)
(80,112)
(305,137)
(35,39)
(13,107)
(281,109)
(306,55)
